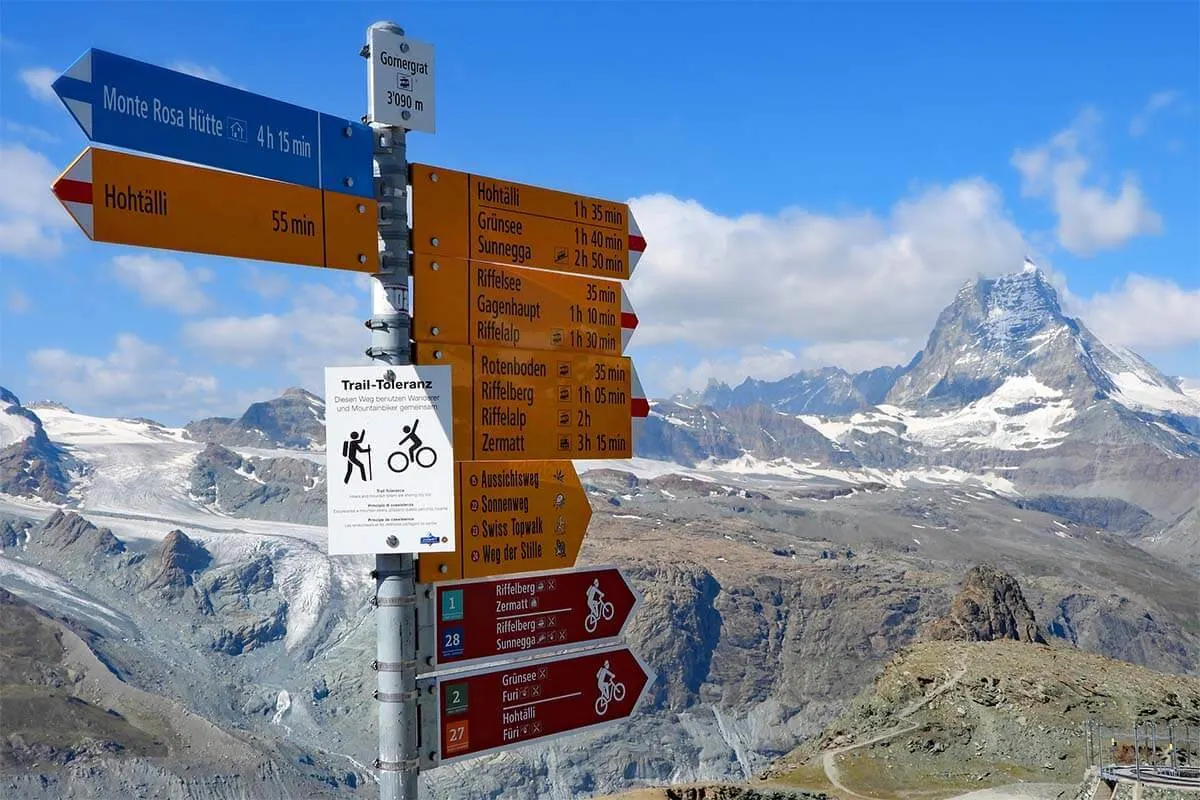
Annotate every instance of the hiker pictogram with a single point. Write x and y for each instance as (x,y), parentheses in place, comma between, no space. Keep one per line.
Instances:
(352,448)
(422,455)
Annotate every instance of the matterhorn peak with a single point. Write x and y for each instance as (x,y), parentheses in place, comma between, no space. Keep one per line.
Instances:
(1029,266)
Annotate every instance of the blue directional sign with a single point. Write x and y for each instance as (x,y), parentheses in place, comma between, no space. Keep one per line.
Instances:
(138,106)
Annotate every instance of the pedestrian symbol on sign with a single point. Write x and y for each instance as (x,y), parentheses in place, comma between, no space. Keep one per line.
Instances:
(351,449)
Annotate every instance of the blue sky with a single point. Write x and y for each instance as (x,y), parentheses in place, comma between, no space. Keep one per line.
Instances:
(814,180)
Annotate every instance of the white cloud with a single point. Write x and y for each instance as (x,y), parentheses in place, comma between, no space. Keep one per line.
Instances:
(720,282)
(267,282)
(38,81)
(207,72)
(136,378)
(1090,219)
(323,328)
(163,282)
(31,219)
(28,131)
(1143,312)
(1157,102)
(16,301)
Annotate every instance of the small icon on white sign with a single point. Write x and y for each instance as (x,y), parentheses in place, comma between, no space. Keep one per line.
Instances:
(424,457)
(611,690)
(352,448)
(236,128)
(405,82)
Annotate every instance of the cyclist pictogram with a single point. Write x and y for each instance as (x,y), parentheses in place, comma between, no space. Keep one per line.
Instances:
(598,607)
(611,690)
(422,455)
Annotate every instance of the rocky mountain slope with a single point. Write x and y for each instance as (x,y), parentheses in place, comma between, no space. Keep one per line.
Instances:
(767,603)
(983,705)
(30,464)
(294,420)
(784,556)
(1007,385)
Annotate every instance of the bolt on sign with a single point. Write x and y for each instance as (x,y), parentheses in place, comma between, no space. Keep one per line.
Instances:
(477,303)
(513,516)
(457,215)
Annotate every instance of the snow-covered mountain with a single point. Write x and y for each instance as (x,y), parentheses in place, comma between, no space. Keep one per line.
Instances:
(30,464)
(1007,386)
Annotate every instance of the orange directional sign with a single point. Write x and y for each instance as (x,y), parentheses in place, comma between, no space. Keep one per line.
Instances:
(461,302)
(514,516)
(516,404)
(456,215)
(126,199)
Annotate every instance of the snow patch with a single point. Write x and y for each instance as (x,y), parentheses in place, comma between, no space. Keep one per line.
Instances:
(993,422)
(14,427)
(1137,392)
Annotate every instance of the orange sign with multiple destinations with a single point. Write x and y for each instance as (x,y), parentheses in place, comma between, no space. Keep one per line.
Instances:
(513,516)
(461,302)
(126,199)
(516,404)
(457,215)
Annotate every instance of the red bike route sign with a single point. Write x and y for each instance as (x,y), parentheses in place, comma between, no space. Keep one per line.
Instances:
(515,616)
(491,709)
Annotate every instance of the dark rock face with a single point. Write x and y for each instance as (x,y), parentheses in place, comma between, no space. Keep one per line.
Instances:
(62,531)
(990,606)
(32,466)
(13,532)
(173,562)
(295,420)
(259,488)
(240,597)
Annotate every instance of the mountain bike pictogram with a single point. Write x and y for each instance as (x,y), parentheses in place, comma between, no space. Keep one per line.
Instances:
(422,455)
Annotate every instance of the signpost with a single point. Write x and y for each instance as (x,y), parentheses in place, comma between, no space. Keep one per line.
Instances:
(466,460)
(456,215)
(133,105)
(478,303)
(535,404)
(120,198)
(533,614)
(513,516)
(490,709)
(388,460)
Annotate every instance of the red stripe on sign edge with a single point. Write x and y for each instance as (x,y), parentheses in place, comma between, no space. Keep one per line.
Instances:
(628,320)
(637,243)
(70,191)
(639,407)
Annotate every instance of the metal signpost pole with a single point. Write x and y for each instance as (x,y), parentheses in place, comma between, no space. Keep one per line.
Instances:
(395,573)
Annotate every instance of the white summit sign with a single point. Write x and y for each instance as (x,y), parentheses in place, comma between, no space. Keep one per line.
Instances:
(400,80)
(389,460)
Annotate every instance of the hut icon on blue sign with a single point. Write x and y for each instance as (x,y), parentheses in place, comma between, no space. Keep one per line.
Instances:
(236,129)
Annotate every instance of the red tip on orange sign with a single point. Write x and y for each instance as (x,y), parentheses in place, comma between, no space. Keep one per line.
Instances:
(132,200)
(457,215)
